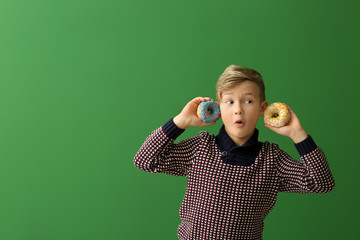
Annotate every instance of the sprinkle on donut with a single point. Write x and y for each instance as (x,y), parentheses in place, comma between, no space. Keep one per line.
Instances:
(277,114)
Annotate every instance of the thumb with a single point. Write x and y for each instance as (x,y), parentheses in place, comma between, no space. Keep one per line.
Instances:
(269,127)
(272,128)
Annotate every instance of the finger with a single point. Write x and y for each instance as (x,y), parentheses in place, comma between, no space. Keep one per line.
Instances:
(290,110)
(208,99)
(198,100)
(272,128)
(293,116)
(208,124)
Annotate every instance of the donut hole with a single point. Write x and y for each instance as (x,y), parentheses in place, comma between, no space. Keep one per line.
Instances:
(210,111)
(275,115)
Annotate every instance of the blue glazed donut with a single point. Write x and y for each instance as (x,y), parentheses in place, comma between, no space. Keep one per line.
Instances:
(208,111)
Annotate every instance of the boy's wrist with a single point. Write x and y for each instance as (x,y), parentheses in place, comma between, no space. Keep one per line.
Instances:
(299,136)
(179,122)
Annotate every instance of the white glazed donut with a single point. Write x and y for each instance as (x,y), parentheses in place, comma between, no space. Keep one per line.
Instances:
(277,115)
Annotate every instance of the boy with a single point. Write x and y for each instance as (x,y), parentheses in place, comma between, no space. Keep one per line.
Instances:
(233,179)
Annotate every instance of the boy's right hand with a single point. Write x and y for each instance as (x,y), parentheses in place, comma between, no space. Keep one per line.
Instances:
(188,116)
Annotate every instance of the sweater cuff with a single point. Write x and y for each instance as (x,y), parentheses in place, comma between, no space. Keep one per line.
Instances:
(171,130)
(306,146)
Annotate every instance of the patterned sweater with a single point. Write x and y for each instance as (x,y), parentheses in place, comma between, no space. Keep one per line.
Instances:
(225,199)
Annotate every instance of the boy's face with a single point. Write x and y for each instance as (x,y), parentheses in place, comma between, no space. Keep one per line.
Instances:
(240,110)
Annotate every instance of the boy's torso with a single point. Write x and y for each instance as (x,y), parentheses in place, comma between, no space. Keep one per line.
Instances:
(225,201)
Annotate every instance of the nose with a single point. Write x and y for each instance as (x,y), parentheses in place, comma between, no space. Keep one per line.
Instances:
(238,109)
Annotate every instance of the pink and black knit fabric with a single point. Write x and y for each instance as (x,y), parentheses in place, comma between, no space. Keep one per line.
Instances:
(225,201)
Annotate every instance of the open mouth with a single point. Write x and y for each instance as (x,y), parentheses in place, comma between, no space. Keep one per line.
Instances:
(239,123)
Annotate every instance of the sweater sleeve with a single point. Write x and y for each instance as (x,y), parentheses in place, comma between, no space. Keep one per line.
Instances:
(159,153)
(311,175)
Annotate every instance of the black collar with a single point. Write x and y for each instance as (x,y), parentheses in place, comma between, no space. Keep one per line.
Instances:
(231,153)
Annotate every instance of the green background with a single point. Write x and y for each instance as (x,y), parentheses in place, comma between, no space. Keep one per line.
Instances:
(83,83)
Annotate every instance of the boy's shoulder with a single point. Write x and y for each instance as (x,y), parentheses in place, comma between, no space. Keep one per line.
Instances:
(205,136)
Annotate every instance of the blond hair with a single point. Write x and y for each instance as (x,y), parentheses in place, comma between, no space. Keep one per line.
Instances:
(234,75)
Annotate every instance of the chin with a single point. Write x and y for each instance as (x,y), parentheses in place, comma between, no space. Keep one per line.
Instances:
(244,132)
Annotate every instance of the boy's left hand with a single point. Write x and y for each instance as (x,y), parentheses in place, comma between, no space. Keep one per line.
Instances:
(293,129)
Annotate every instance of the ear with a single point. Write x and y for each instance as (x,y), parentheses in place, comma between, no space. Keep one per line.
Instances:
(264,105)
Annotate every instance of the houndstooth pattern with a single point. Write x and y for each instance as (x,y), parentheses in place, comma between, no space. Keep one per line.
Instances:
(224,201)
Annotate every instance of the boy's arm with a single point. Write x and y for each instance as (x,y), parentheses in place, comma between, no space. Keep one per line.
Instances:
(311,175)
(160,154)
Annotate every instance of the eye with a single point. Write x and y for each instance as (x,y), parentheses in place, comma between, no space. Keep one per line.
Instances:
(248,101)
(229,102)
